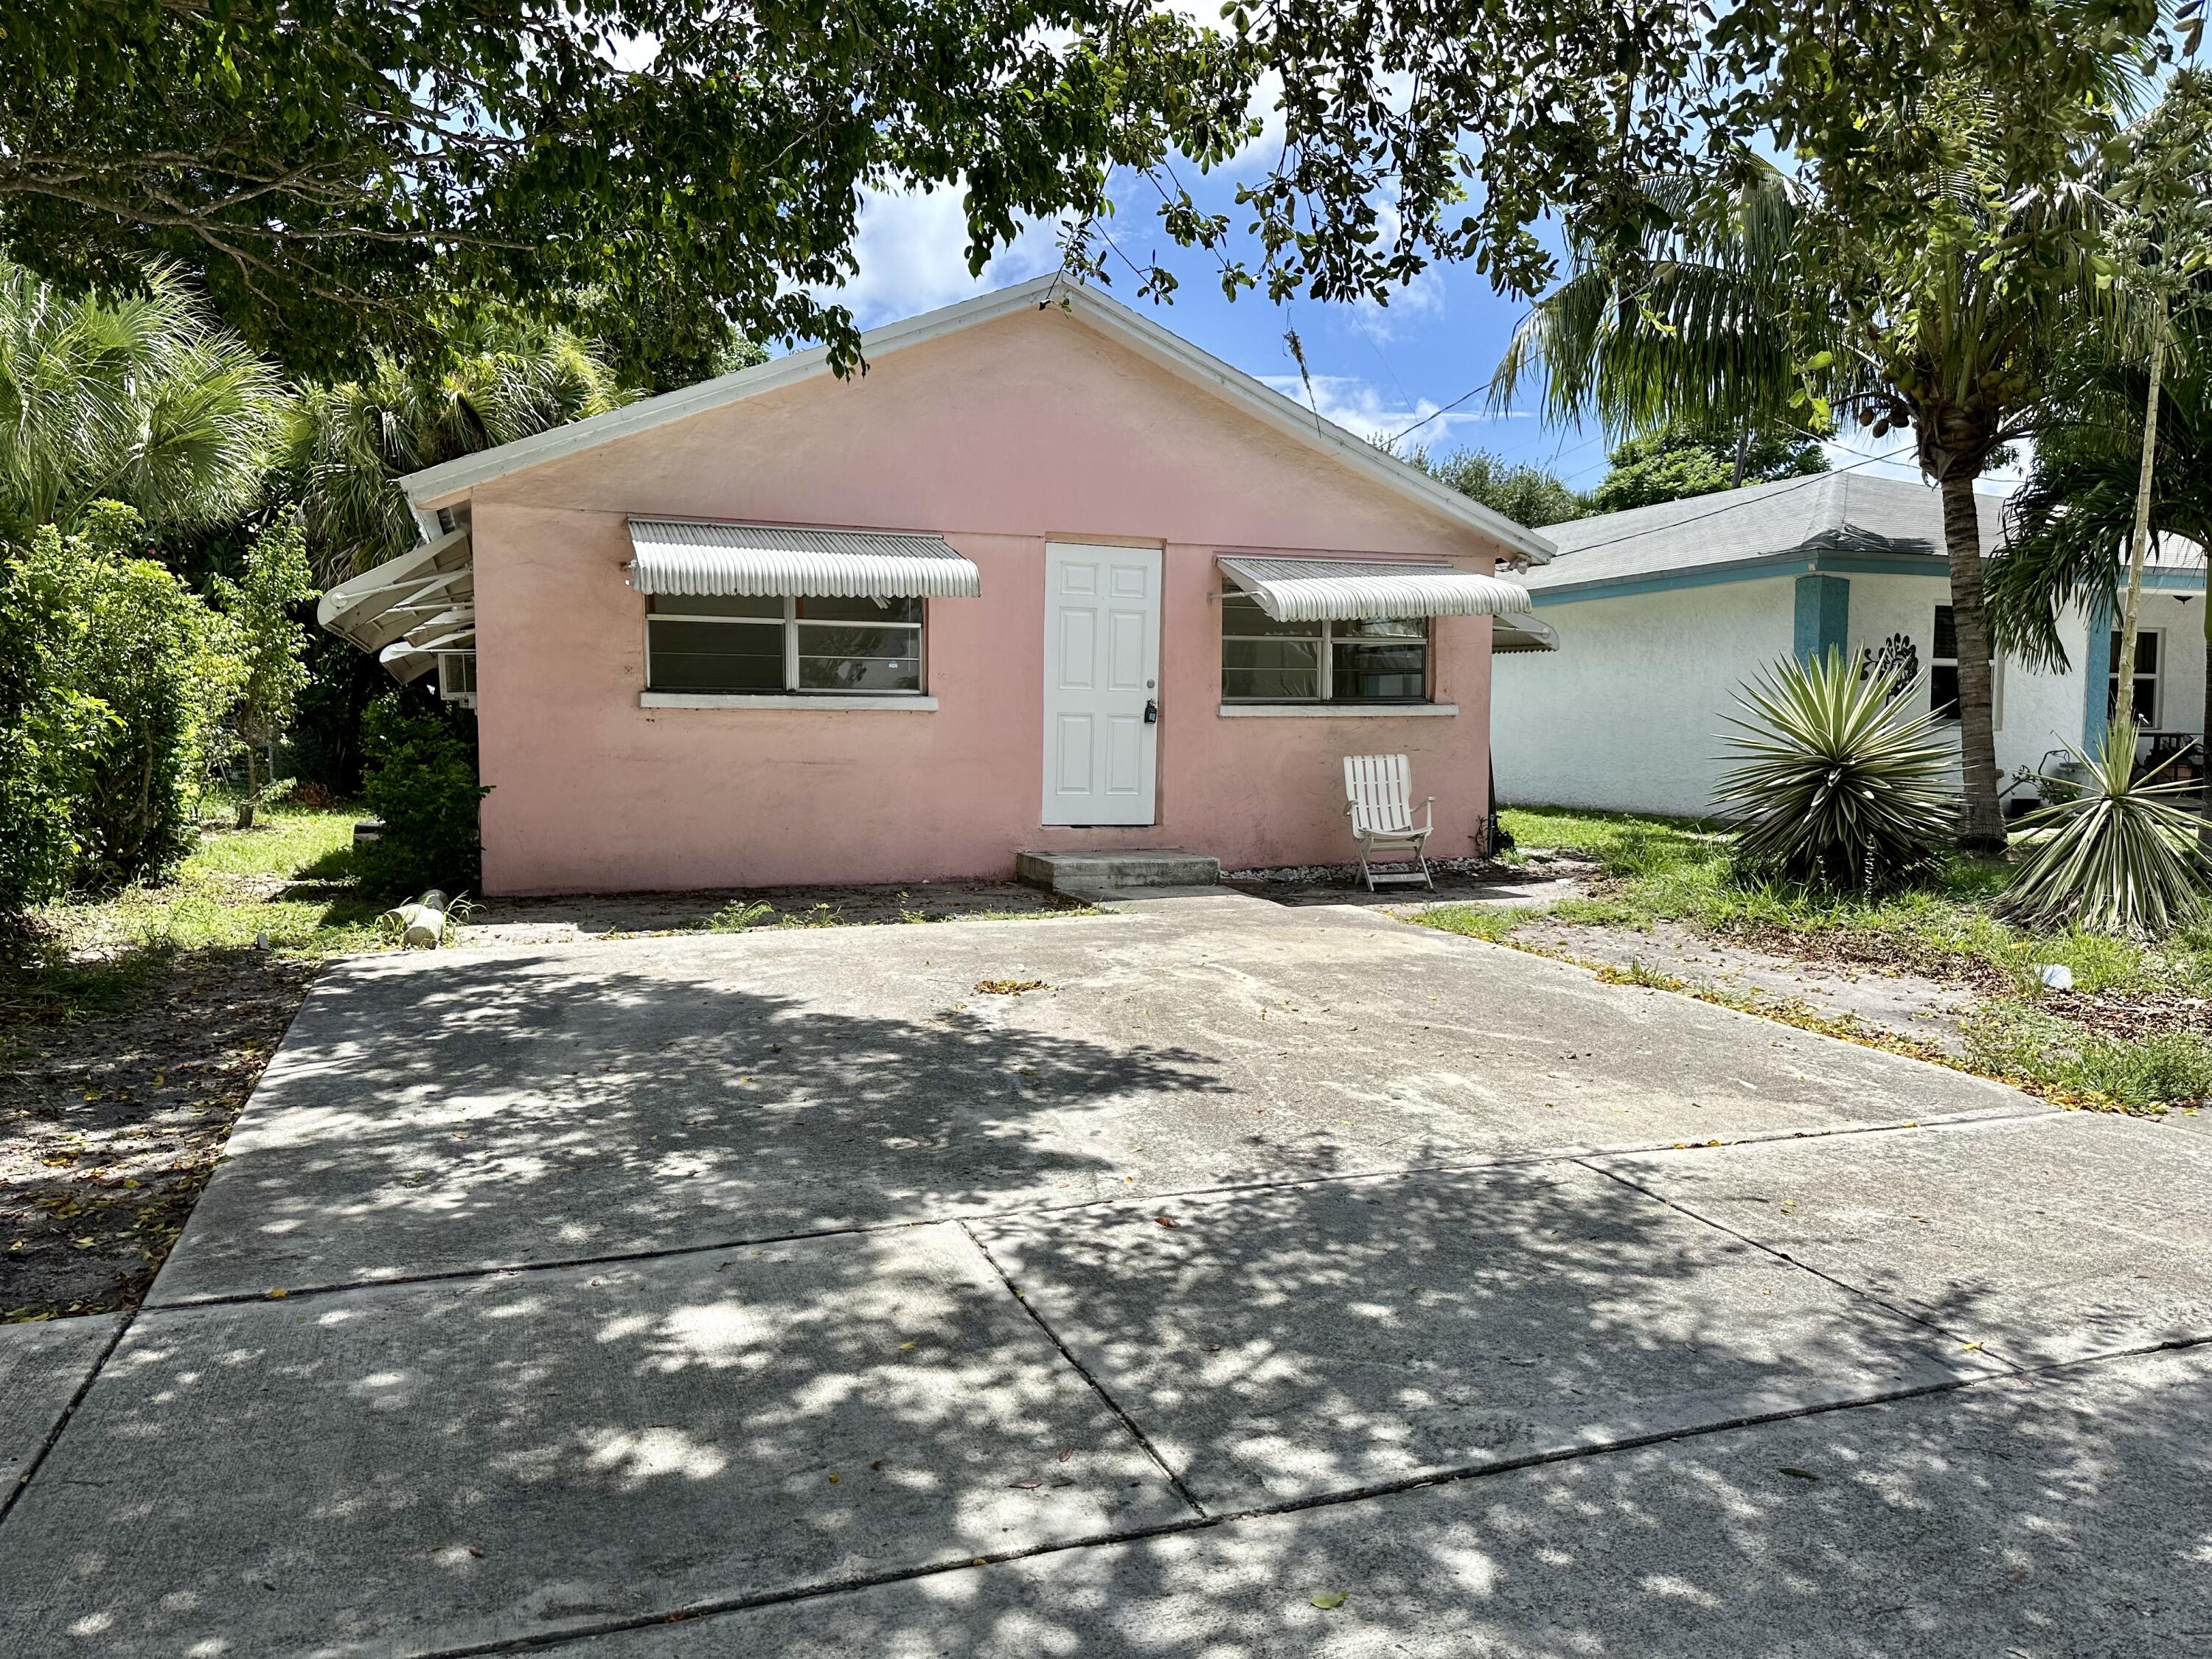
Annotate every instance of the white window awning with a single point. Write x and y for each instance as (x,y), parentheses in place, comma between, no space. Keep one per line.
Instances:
(1508,635)
(1344,590)
(771,561)
(407,609)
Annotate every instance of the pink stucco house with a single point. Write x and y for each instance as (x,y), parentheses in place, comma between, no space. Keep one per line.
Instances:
(1046,576)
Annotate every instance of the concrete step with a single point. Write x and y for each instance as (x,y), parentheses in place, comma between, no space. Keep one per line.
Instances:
(1163,866)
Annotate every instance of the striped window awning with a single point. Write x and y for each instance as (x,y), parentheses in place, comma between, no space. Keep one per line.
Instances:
(409,610)
(769,561)
(1344,590)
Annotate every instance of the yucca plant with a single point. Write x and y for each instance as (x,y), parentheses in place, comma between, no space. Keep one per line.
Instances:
(1838,785)
(2123,857)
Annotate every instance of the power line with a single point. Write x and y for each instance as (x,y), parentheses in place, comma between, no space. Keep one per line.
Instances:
(1446,410)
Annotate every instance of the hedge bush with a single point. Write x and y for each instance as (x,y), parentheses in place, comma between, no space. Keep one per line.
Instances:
(45,728)
(420,781)
(112,676)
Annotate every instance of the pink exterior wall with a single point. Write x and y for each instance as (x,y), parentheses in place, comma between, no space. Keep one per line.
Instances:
(1000,437)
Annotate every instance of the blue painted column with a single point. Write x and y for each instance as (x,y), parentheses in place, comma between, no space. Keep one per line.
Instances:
(2097,668)
(1824,615)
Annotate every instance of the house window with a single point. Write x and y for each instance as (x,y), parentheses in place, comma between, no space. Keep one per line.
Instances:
(1372,659)
(1943,673)
(2143,705)
(771,647)
(1943,667)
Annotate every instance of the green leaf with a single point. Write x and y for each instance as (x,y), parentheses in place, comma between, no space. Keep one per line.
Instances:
(1330,1600)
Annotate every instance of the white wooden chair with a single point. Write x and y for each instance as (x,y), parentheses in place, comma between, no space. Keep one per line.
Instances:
(1379,791)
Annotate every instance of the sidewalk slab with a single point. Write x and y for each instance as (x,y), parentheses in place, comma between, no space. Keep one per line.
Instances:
(412,1468)
(466,1110)
(1305,1341)
(2047,1238)
(42,1365)
(2061,1519)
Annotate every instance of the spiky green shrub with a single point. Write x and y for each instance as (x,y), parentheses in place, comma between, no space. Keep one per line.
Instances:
(2122,855)
(1837,784)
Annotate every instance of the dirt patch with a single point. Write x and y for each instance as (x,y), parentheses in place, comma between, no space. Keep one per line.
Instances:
(1459,881)
(1918,1009)
(111,1123)
(552,921)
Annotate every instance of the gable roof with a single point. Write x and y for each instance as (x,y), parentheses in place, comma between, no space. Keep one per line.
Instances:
(441,485)
(1832,516)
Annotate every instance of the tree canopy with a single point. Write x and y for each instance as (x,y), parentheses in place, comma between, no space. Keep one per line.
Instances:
(1768,301)
(321,167)
(1680,460)
(1527,494)
(495,379)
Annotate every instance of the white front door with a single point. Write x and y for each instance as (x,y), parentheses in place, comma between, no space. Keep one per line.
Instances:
(1102,670)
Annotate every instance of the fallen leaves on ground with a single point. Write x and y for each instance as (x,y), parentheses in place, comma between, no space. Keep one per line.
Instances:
(1009,988)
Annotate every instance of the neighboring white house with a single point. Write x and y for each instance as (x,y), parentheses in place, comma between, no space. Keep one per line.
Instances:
(1662,612)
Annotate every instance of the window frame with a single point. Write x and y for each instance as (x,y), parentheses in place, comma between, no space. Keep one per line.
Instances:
(2155,674)
(1936,660)
(791,623)
(1325,671)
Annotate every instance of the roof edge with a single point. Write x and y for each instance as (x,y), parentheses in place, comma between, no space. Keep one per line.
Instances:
(442,484)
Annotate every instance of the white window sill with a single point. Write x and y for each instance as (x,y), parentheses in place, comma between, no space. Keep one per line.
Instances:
(1335,711)
(894,704)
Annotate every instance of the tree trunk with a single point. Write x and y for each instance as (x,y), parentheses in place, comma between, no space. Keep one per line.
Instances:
(2139,542)
(1984,830)
(247,801)
(2204,738)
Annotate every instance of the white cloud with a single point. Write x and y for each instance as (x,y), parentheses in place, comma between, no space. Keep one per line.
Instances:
(1424,296)
(1364,409)
(911,251)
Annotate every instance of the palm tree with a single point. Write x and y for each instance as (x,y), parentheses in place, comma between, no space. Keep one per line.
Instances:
(2070,525)
(137,398)
(1752,307)
(494,382)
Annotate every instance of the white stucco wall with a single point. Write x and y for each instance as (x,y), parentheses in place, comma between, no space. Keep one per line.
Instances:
(2181,660)
(1631,711)
(1628,712)
(2036,712)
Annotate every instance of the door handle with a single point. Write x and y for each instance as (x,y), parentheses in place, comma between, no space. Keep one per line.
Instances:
(1151,712)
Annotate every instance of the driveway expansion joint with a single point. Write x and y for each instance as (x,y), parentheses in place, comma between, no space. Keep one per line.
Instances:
(1579,1155)
(1083,1372)
(1857,1291)
(8,1498)
(1207,1521)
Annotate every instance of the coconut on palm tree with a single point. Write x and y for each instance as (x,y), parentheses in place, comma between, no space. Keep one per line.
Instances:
(137,398)
(1756,304)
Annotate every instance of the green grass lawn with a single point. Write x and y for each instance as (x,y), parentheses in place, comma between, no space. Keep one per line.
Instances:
(1677,870)
(290,877)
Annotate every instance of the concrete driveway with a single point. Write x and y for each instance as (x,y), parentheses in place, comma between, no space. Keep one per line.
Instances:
(789,1293)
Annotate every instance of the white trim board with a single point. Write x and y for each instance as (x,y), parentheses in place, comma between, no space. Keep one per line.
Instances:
(438,485)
